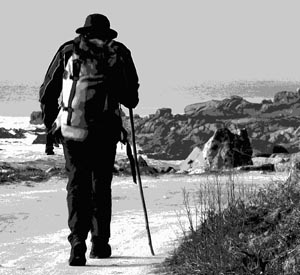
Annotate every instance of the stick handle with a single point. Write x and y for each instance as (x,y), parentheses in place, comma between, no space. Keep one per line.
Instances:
(139,179)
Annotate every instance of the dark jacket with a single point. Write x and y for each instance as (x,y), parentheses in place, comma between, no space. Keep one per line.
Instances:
(50,90)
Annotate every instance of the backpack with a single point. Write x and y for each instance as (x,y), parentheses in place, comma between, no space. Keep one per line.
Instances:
(90,95)
(89,92)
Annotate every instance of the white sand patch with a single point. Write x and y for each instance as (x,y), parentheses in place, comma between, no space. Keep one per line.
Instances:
(20,152)
(38,244)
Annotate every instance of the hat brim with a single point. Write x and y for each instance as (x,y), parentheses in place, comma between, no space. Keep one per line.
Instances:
(110,32)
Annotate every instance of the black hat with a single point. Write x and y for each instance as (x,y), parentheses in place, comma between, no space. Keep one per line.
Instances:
(97,23)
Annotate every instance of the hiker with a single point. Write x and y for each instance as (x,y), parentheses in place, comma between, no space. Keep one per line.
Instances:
(93,74)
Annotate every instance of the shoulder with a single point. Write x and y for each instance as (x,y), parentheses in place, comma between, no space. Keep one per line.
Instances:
(67,47)
(120,48)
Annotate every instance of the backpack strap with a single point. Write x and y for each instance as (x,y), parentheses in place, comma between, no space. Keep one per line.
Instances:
(75,78)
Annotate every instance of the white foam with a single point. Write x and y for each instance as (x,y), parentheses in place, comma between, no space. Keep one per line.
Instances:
(8,122)
(22,148)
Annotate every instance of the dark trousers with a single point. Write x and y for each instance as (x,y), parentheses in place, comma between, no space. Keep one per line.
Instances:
(89,165)
(49,142)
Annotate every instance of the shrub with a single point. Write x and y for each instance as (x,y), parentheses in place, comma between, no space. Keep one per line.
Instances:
(258,233)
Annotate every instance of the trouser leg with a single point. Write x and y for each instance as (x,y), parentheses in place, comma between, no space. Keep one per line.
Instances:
(78,189)
(102,193)
(49,142)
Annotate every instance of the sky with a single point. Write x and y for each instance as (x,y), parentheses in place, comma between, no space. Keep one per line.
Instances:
(173,43)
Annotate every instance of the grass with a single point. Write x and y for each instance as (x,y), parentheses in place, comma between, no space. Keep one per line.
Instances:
(233,230)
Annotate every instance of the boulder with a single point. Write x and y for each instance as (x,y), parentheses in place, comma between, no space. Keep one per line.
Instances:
(122,166)
(166,112)
(225,150)
(273,159)
(36,118)
(194,162)
(279,149)
(195,108)
(268,167)
(285,97)
(40,139)
(235,106)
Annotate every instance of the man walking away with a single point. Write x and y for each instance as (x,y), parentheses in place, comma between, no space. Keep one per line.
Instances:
(95,74)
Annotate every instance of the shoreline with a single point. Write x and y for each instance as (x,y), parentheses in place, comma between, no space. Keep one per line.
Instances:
(21,99)
(175,110)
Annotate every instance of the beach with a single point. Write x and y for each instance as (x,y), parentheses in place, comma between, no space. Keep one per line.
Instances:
(33,215)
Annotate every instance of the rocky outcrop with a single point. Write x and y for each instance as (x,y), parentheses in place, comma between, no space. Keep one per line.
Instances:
(12,133)
(270,124)
(235,106)
(286,97)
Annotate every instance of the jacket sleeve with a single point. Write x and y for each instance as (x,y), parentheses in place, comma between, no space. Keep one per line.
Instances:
(51,88)
(130,97)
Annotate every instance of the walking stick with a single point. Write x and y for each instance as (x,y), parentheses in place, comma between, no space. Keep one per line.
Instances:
(139,179)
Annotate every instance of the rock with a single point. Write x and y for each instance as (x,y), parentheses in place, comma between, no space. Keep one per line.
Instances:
(145,168)
(273,159)
(235,106)
(279,149)
(195,161)
(285,97)
(281,136)
(166,112)
(40,139)
(50,170)
(168,169)
(268,167)
(266,101)
(164,136)
(36,118)
(56,171)
(12,133)
(225,150)
(195,108)
(122,166)
(280,162)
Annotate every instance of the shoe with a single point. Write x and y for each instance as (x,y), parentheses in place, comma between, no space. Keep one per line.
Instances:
(50,152)
(77,256)
(100,250)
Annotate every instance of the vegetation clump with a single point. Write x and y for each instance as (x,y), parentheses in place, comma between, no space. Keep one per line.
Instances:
(260,235)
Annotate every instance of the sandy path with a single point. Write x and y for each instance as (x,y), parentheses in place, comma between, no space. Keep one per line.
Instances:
(33,227)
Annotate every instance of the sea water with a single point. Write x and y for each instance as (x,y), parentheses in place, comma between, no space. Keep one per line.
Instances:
(20,100)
